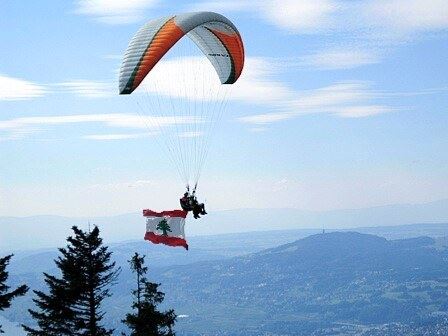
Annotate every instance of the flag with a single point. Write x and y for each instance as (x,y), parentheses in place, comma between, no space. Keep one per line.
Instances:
(166,227)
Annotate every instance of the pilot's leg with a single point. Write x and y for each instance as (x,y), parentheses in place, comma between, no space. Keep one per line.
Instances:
(196,212)
(203,212)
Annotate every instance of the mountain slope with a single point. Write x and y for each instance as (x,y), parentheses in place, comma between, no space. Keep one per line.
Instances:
(314,283)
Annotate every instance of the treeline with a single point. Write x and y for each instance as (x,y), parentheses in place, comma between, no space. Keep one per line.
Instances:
(72,304)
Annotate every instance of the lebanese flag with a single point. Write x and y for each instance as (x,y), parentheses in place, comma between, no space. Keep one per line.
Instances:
(166,227)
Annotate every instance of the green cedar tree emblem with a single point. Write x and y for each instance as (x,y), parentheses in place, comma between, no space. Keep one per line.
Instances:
(163,226)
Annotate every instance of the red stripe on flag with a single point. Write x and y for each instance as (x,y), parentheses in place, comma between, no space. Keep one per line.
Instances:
(170,241)
(169,213)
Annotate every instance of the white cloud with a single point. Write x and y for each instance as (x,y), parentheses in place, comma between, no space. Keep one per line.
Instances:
(221,6)
(336,94)
(299,16)
(258,84)
(345,99)
(340,59)
(190,134)
(107,137)
(115,11)
(28,125)
(362,111)
(194,78)
(408,16)
(266,118)
(121,185)
(19,89)
(88,89)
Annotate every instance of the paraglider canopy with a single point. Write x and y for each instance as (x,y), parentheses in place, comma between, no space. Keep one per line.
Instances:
(214,34)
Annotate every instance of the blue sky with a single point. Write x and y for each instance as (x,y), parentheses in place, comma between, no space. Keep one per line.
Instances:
(342,104)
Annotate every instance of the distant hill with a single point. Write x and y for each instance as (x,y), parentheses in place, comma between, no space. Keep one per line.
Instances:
(321,282)
(49,231)
(407,231)
(335,283)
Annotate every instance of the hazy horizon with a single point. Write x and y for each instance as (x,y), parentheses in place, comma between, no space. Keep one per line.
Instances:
(32,232)
(232,209)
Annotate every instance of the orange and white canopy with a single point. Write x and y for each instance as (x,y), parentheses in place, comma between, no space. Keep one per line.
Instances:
(213,33)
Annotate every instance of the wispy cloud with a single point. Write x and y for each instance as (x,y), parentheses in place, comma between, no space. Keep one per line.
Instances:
(88,88)
(12,88)
(115,11)
(109,137)
(407,16)
(121,185)
(30,125)
(298,16)
(221,6)
(267,118)
(190,134)
(332,59)
(302,16)
(345,99)
(336,94)
(362,111)
(194,78)
(259,83)
(19,89)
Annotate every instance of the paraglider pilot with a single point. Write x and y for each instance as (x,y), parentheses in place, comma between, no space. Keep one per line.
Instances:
(190,203)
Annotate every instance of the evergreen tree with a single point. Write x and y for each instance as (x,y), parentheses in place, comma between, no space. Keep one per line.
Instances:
(73,303)
(56,316)
(7,296)
(147,319)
